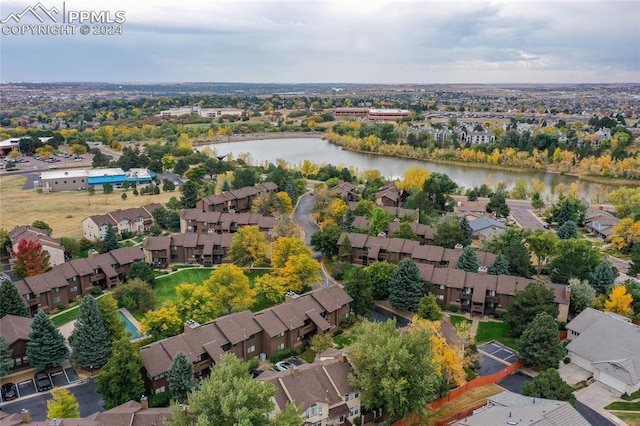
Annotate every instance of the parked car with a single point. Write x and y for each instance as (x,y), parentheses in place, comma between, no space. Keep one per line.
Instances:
(9,392)
(283,365)
(296,362)
(43,382)
(255,373)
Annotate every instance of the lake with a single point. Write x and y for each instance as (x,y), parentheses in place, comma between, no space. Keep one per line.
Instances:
(296,150)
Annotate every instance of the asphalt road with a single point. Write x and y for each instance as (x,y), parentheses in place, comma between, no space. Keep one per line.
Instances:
(90,402)
(514,384)
(302,217)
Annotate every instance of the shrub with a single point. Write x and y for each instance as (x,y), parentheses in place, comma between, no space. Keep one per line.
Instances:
(567,360)
(348,321)
(161,399)
(283,354)
(338,332)
(338,270)
(252,363)
(453,309)
(96,291)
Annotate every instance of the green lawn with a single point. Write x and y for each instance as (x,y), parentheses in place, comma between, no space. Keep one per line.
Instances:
(490,330)
(65,317)
(457,319)
(632,419)
(623,405)
(165,285)
(343,341)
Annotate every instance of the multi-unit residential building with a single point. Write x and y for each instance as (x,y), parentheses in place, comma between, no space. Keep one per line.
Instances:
(484,136)
(399,212)
(51,245)
(15,331)
(600,222)
(235,201)
(204,249)
(247,334)
(389,195)
(482,293)
(322,389)
(366,249)
(194,220)
(71,280)
(136,220)
(424,233)
(346,190)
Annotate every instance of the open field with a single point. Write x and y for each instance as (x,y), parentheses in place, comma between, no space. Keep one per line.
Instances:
(63,211)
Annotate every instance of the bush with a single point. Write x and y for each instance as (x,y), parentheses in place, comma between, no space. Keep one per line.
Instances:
(567,360)
(451,308)
(348,321)
(338,332)
(162,399)
(252,363)
(96,291)
(338,270)
(127,234)
(283,354)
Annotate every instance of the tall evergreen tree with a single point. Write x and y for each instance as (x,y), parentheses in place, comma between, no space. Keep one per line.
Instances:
(189,193)
(405,286)
(46,347)
(109,309)
(500,266)
(345,251)
(602,277)
(358,286)
(549,385)
(466,228)
(568,230)
(6,357)
(468,260)
(528,303)
(90,342)
(11,303)
(516,253)
(110,239)
(120,380)
(180,377)
(539,344)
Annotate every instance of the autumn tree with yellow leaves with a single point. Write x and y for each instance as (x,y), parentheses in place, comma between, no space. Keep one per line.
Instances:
(619,302)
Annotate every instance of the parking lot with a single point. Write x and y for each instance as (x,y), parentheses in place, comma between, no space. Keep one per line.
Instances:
(499,351)
(60,378)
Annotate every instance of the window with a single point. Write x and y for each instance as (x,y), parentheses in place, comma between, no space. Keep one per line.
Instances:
(251,349)
(351,396)
(56,290)
(441,287)
(159,376)
(318,423)
(440,296)
(354,411)
(280,334)
(280,346)
(314,410)
(74,288)
(56,299)
(159,390)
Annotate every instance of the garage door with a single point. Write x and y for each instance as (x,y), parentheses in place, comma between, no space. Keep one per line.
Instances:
(612,382)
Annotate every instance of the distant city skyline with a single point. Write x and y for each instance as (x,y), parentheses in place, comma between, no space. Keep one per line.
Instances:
(383,42)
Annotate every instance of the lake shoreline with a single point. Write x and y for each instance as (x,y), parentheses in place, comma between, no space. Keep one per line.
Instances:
(248,137)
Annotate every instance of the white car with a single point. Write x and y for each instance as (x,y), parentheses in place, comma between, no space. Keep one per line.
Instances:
(283,365)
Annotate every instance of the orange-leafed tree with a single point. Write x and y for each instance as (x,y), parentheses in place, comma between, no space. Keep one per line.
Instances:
(30,259)
(619,301)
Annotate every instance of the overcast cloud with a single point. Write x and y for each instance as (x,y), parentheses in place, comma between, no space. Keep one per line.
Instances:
(337,41)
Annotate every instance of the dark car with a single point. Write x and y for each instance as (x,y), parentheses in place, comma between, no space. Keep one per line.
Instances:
(9,392)
(43,382)
(255,373)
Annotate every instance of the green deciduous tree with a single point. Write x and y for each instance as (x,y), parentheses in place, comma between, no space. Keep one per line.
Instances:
(549,385)
(498,205)
(528,303)
(542,244)
(500,266)
(539,345)
(582,295)
(144,271)
(229,288)
(405,286)
(392,369)
(602,277)
(62,405)
(380,274)
(110,239)
(429,309)
(326,240)
(511,245)
(180,377)
(6,357)
(437,187)
(120,380)
(358,286)
(575,259)
(180,167)
(536,201)
(404,231)
(109,309)
(379,221)
(284,248)
(11,303)
(30,259)
(135,295)
(229,396)
(41,224)
(249,246)
(568,230)
(450,232)
(46,347)
(90,342)
(634,265)
(468,260)
(71,247)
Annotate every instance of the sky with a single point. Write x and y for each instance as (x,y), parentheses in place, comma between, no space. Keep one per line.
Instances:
(348,41)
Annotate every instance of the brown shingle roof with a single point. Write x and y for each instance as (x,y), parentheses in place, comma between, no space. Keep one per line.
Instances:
(15,328)
(238,327)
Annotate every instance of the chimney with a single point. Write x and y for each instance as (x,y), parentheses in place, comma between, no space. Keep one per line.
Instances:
(290,296)
(26,416)
(144,402)
(482,270)
(295,372)
(567,292)
(190,325)
(56,422)
(342,357)
(458,247)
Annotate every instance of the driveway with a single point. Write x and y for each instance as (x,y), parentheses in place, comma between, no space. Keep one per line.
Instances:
(302,217)
(596,396)
(572,374)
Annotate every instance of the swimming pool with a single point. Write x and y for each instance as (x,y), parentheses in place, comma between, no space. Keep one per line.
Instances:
(128,326)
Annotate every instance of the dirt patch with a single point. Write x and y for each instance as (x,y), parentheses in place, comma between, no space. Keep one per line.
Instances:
(63,211)
(470,399)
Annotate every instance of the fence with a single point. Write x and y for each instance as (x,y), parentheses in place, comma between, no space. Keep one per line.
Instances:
(461,415)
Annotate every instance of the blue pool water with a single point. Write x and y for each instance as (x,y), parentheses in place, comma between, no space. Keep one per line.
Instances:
(128,326)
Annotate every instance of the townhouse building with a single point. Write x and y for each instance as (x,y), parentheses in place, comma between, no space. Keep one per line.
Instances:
(389,195)
(71,280)
(425,234)
(247,334)
(235,201)
(600,222)
(136,220)
(366,249)
(346,190)
(197,221)
(15,331)
(322,389)
(482,293)
(203,249)
(399,212)
(51,245)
